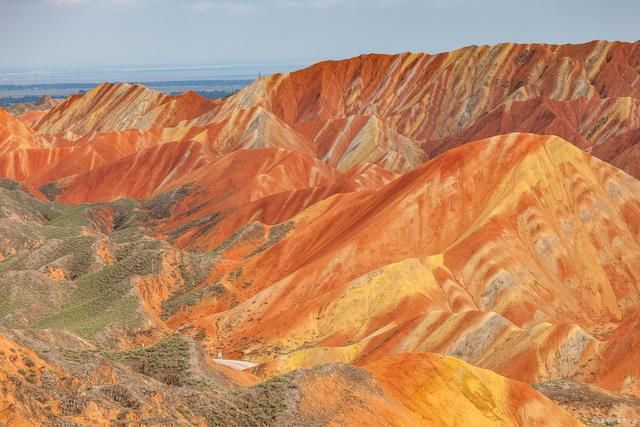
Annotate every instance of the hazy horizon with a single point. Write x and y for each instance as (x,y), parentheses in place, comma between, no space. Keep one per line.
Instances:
(83,34)
(130,73)
(141,73)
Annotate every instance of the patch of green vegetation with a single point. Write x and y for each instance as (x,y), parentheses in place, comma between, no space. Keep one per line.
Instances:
(61,232)
(246,232)
(167,360)
(25,205)
(78,248)
(197,382)
(126,213)
(276,233)
(205,223)
(193,269)
(261,405)
(70,216)
(80,356)
(189,298)
(51,190)
(12,263)
(48,211)
(127,249)
(160,206)
(27,292)
(9,184)
(103,298)
(127,235)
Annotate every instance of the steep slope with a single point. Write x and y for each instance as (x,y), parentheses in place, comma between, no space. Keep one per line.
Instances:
(585,93)
(512,252)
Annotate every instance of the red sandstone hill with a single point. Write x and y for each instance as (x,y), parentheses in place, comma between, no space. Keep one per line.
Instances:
(512,267)
(586,94)
(120,107)
(381,211)
(392,110)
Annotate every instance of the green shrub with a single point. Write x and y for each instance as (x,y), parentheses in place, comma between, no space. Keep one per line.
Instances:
(51,190)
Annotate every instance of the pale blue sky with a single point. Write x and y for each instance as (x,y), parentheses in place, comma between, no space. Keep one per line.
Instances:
(71,33)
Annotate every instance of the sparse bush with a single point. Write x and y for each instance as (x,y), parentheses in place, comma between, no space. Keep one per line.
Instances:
(167,360)
(51,190)
(73,405)
(185,298)
(120,394)
(276,233)
(160,206)
(102,297)
(9,184)
(48,380)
